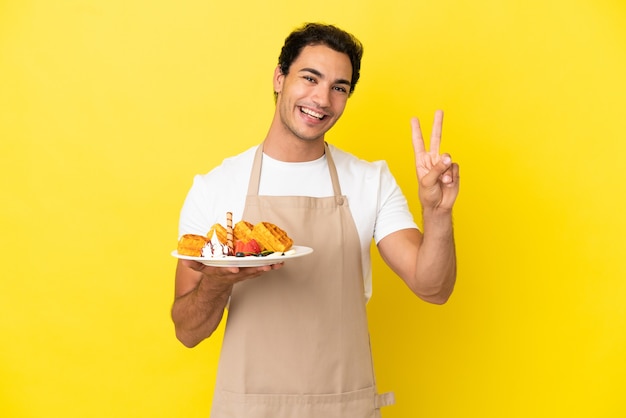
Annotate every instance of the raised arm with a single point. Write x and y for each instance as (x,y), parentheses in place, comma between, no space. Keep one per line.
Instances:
(201,295)
(427,262)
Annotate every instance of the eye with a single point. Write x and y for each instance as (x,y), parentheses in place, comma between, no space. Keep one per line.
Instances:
(340,89)
(309,78)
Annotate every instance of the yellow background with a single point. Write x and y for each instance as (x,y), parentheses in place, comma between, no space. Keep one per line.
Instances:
(109,107)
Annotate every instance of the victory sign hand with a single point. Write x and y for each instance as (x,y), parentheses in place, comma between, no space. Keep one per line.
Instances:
(437,175)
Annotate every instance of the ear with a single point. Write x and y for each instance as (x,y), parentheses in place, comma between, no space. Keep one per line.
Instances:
(279,77)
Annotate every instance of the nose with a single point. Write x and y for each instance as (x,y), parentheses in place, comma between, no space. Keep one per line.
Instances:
(321,96)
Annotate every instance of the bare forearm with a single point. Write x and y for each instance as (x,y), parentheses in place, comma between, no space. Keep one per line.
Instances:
(198,313)
(435,272)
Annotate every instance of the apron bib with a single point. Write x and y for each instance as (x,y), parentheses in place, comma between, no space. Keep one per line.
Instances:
(296,342)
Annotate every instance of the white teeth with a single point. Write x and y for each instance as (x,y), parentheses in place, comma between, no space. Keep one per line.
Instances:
(311,113)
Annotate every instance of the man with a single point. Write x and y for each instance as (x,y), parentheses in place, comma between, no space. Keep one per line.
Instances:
(296,342)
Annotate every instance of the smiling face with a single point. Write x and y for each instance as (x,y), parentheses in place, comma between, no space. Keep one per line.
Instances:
(313,95)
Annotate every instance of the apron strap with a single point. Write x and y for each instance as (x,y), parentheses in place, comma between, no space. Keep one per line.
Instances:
(255,174)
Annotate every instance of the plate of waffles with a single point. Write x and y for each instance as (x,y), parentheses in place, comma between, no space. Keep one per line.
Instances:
(295,251)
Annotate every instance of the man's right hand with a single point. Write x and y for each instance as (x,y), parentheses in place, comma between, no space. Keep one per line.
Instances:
(201,295)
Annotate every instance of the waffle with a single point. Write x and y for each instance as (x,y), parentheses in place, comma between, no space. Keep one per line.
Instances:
(220,232)
(190,244)
(271,237)
(242,231)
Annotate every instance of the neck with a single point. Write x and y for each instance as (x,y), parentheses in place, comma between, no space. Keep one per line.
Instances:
(283,145)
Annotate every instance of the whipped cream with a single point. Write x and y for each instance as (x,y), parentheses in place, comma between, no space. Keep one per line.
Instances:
(214,248)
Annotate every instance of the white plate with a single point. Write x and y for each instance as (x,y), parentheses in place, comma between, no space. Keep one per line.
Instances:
(249,261)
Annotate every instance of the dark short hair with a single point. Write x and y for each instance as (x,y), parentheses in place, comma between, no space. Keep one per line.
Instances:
(322,34)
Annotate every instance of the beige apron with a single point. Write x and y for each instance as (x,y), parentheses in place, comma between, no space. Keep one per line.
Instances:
(296,342)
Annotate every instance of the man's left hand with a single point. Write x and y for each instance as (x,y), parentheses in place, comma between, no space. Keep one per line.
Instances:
(437,175)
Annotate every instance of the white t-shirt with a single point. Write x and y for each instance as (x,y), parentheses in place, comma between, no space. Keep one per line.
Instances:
(375,200)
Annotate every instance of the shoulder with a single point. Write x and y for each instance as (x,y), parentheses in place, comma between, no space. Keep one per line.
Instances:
(221,190)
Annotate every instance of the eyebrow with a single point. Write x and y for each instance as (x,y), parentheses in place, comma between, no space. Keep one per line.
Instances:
(320,75)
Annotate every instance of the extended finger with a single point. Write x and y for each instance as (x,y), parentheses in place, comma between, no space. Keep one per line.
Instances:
(218,271)
(435,136)
(418,140)
(250,272)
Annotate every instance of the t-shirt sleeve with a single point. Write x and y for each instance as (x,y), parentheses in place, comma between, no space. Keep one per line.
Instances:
(393,209)
(198,214)
(221,190)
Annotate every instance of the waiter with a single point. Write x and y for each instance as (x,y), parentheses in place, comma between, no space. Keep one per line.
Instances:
(296,342)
